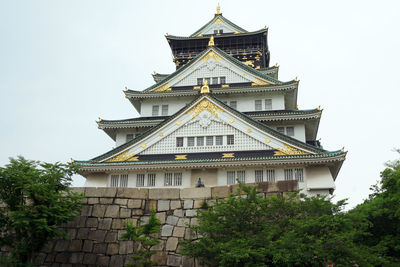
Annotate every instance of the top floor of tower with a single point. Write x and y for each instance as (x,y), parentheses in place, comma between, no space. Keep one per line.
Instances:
(249,47)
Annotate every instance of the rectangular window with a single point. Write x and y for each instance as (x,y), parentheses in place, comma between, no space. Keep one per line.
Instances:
(168,179)
(155,110)
(225,102)
(230,177)
(190,141)
(210,140)
(178,179)
(199,81)
(258,175)
(268,104)
(218,140)
(257,105)
(164,110)
(124,180)
(290,131)
(139,180)
(233,104)
(215,80)
(200,141)
(222,79)
(288,174)
(179,142)
(298,174)
(129,137)
(281,130)
(114,180)
(241,176)
(270,175)
(208,80)
(215,31)
(151,179)
(221,31)
(230,140)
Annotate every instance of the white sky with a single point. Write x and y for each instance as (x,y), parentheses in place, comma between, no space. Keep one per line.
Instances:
(63,64)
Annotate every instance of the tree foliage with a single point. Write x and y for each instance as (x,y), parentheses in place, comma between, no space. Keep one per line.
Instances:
(247,229)
(35,199)
(146,235)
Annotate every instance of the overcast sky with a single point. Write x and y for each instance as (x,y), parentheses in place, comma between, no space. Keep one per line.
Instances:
(63,64)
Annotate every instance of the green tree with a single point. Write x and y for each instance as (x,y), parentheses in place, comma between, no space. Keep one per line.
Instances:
(247,229)
(146,235)
(36,199)
(382,210)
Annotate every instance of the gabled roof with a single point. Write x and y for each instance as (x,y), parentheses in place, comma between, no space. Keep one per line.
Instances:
(216,19)
(216,36)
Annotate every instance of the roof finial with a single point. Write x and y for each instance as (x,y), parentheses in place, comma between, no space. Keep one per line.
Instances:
(205,89)
(211,42)
(218,10)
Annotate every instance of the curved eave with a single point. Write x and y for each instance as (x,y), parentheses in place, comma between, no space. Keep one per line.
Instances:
(216,36)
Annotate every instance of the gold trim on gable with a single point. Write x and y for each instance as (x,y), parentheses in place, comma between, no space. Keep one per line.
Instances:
(257,81)
(218,20)
(180,157)
(211,55)
(165,87)
(204,104)
(289,151)
(228,155)
(124,156)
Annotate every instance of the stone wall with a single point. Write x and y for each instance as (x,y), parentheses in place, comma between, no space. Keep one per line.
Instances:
(94,235)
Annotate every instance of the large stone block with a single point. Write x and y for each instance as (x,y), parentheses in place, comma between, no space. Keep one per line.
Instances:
(112,211)
(174,260)
(172,220)
(170,193)
(125,247)
(99,210)
(188,204)
(124,213)
(183,221)
(163,205)
(104,224)
(196,193)
(171,244)
(191,213)
(87,246)
(134,203)
(100,248)
(159,246)
(178,213)
(161,216)
(100,192)
(111,237)
(175,204)
(82,233)
(97,235)
(91,222)
(106,200)
(93,200)
(159,257)
(179,231)
(63,257)
(86,210)
(167,230)
(220,191)
(76,258)
(89,259)
(118,224)
(61,245)
(121,201)
(75,245)
(78,190)
(103,261)
(141,193)
(187,262)
(117,261)
(112,249)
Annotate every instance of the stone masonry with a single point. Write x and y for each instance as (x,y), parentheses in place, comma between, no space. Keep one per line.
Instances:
(94,235)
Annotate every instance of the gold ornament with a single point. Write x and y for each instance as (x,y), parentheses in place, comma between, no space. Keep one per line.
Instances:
(204,104)
(289,151)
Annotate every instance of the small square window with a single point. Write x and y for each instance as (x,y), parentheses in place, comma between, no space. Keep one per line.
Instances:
(179,141)
(200,141)
(290,131)
(199,81)
(210,140)
(164,110)
(268,104)
(281,130)
(215,31)
(215,80)
(258,105)
(155,110)
(221,31)
(129,137)
(218,140)
(230,140)
(190,141)
(233,104)
(222,80)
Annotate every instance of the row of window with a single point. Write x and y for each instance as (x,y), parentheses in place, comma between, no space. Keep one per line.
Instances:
(149,180)
(289,131)
(232,104)
(258,104)
(130,137)
(156,110)
(211,80)
(204,141)
(265,176)
(218,31)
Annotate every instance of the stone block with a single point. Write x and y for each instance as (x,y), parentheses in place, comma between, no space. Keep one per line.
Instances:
(198,204)
(112,211)
(175,204)
(97,235)
(179,231)
(87,246)
(172,220)
(160,257)
(82,233)
(103,261)
(163,205)
(220,191)
(196,193)
(134,203)
(191,213)
(111,237)
(117,261)
(93,200)
(190,234)
(168,193)
(99,210)
(188,204)
(99,248)
(194,221)
(61,245)
(75,245)
(150,205)
(183,222)
(159,246)
(187,262)
(171,244)
(121,201)
(71,233)
(78,190)
(104,224)
(167,230)
(112,249)
(50,257)
(106,200)
(100,192)
(174,260)
(80,221)
(124,213)
(76,258)
(89,259)
(39,259)
(161,217)
(125,247)
(118,224)
(141,193)
(91,222)
(86,210)
(137,212)
(63,257)
(178,213)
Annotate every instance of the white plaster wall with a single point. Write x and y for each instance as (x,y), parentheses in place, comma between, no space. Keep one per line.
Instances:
(174,105)
(319,178)
(299,130)
(246,102)
(96,180)
(120,137)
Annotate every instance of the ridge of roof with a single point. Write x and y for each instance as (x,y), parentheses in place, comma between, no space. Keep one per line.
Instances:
(213,19)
